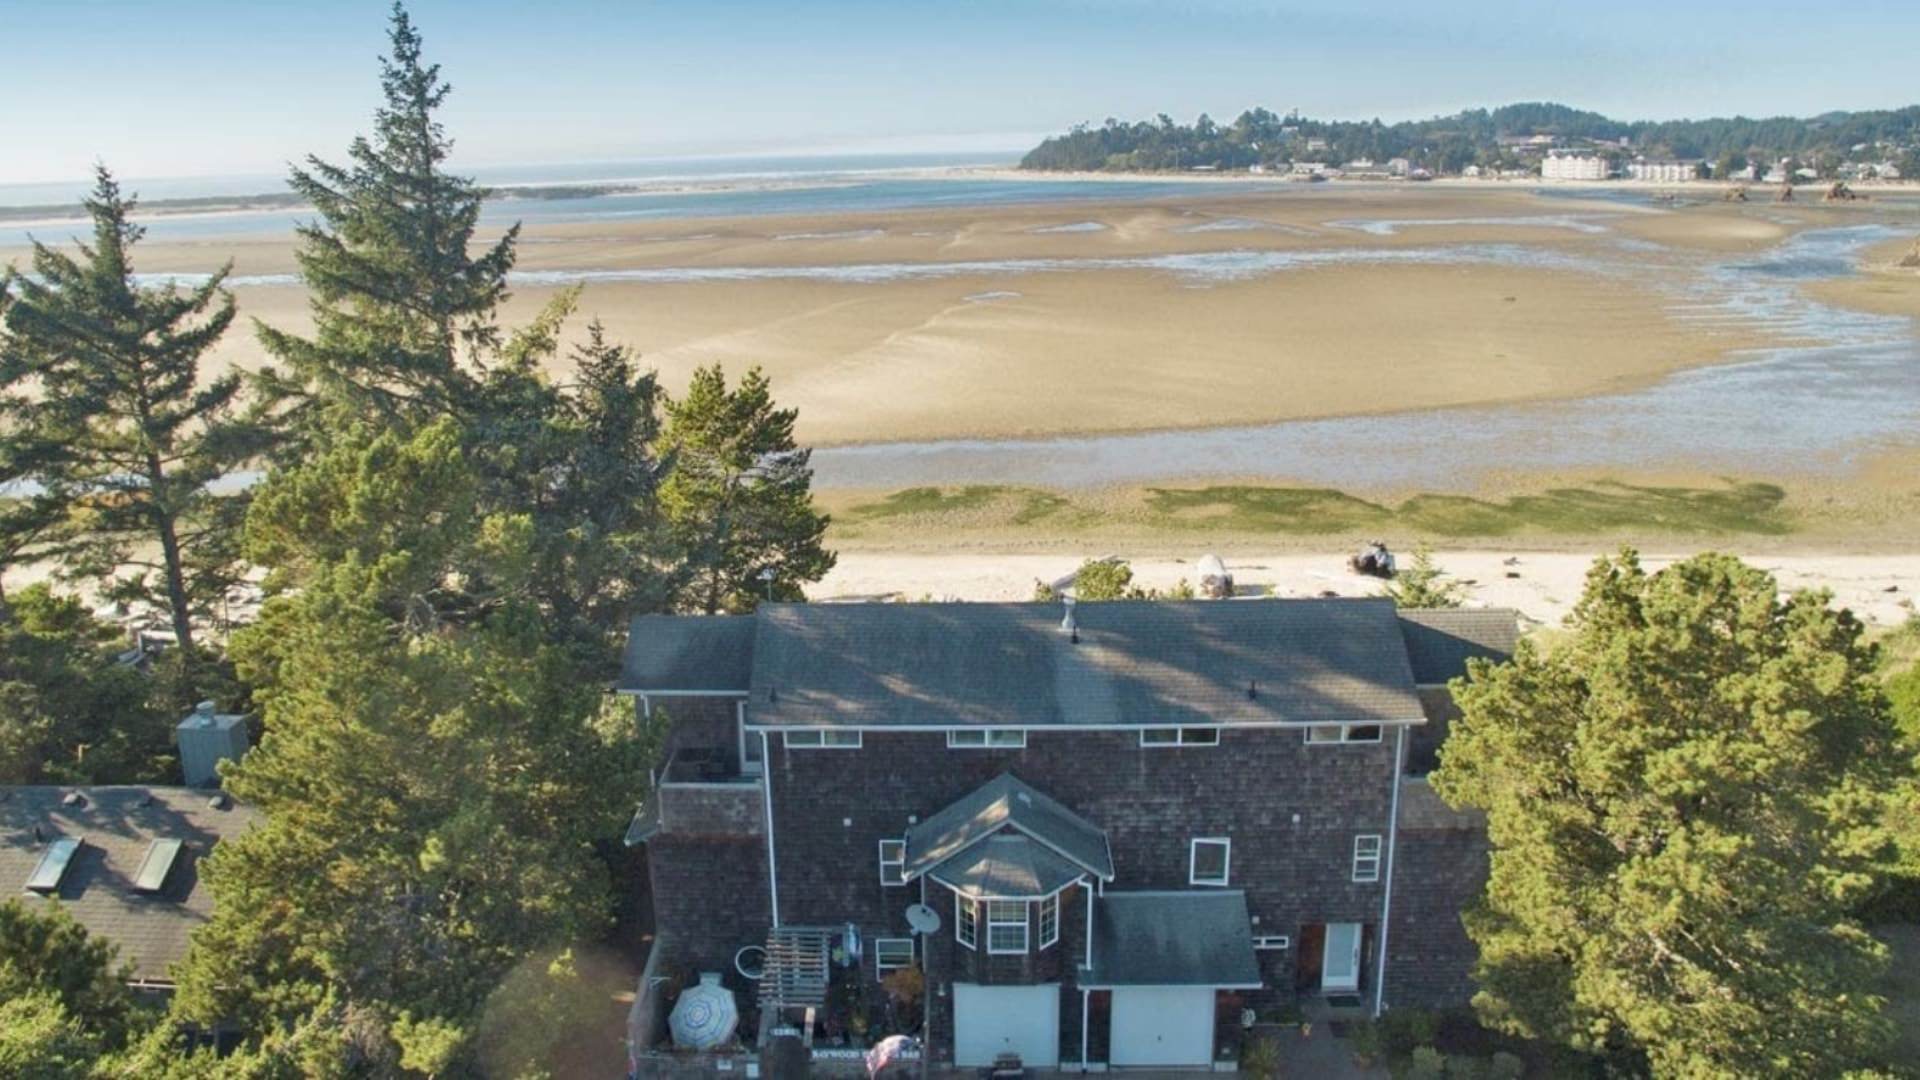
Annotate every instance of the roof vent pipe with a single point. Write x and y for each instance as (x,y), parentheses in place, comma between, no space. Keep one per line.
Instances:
(1070,624)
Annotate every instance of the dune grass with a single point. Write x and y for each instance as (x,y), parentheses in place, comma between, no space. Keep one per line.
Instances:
(1599,509)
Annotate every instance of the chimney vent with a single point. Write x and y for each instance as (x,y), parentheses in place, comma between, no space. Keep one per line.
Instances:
(1253,689)
(1070,624)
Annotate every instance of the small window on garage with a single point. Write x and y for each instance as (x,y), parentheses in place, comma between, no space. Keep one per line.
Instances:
(1271,943)
(1366,858)
(1209,860)
(893,862)
(892,953)
(1049,920)
(1006,926)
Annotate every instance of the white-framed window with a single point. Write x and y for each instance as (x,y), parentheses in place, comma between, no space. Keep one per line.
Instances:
(1006,926)
(1320,734)
(1271,942)
(823,739)
(966,921)
(1179,736)
(1366,858)
(1209,860)
(893,862)
(892,953)
(1049,920)
(987,739)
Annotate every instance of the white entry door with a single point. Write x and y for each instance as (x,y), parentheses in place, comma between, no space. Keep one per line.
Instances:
(1162,1025)
(992,1020)
(1340,966)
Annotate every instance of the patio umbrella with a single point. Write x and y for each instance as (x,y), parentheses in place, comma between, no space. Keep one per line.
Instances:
(705,1016)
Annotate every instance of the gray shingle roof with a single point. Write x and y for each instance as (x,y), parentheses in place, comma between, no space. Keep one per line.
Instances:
(1001,803)
(1440,641)
(1136,662)
(117,824)
(688,652)
(1008,865)
(1169,938)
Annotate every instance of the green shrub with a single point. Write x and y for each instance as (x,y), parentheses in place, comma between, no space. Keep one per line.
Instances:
(1427,1064)
(1505,1066)
(1404,1030)
(1364,1040)
(1466,1067)
(1261,1060)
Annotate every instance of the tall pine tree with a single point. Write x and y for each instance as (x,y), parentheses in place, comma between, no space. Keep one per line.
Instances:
(402,311)
(739,497)
(123,431)
(1686,800)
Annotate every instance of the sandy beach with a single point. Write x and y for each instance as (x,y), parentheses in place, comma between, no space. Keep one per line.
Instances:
(1214,309)
(1541,586)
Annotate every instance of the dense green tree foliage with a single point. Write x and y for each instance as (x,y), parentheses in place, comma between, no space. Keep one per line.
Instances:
(68,712)
(1685,801)
(123,430)
(738,497)
(1450,143)
(45,953)
(433,790)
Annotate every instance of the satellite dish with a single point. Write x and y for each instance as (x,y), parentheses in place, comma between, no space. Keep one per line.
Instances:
(923,919)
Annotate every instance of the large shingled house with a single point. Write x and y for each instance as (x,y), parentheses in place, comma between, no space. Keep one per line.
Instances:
(1133,819)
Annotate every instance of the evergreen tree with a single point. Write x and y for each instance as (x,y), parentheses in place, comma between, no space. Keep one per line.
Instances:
(1423,584)
(739,497)
(1685,801)
(46,953)
(122,431)
(433,786)
(401,309)
(28,513)
(68,713)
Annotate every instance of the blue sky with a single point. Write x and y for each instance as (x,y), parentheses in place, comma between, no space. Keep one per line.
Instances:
(215,87)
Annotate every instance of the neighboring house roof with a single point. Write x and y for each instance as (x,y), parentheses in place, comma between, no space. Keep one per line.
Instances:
(1440,641)
(705,653)
(1008,865)
(1172,938)
(1146,663)
(116,827)
(1006,802)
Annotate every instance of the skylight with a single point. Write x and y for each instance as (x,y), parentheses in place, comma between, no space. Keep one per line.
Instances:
(53,865)
(161,855)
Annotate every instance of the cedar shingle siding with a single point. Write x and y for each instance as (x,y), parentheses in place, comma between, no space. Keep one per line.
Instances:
(1290,809)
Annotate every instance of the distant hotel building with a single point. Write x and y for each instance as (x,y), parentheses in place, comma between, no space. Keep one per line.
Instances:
(1569,165)
(1661,172)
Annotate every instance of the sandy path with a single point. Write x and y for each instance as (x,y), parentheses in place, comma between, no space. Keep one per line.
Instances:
(1541,586)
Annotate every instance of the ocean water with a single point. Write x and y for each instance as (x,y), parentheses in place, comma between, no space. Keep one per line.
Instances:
(665,189)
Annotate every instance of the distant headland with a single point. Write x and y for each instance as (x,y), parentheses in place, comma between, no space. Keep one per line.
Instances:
(1512,140)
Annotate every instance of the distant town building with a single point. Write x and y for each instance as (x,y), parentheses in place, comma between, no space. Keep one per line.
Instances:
(1316,143)
(1570,165)
(1400,166)
(1661,172)
(1309,168)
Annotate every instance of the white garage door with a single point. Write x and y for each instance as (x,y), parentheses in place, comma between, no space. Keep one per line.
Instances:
(993,1020)
(1162,1025)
